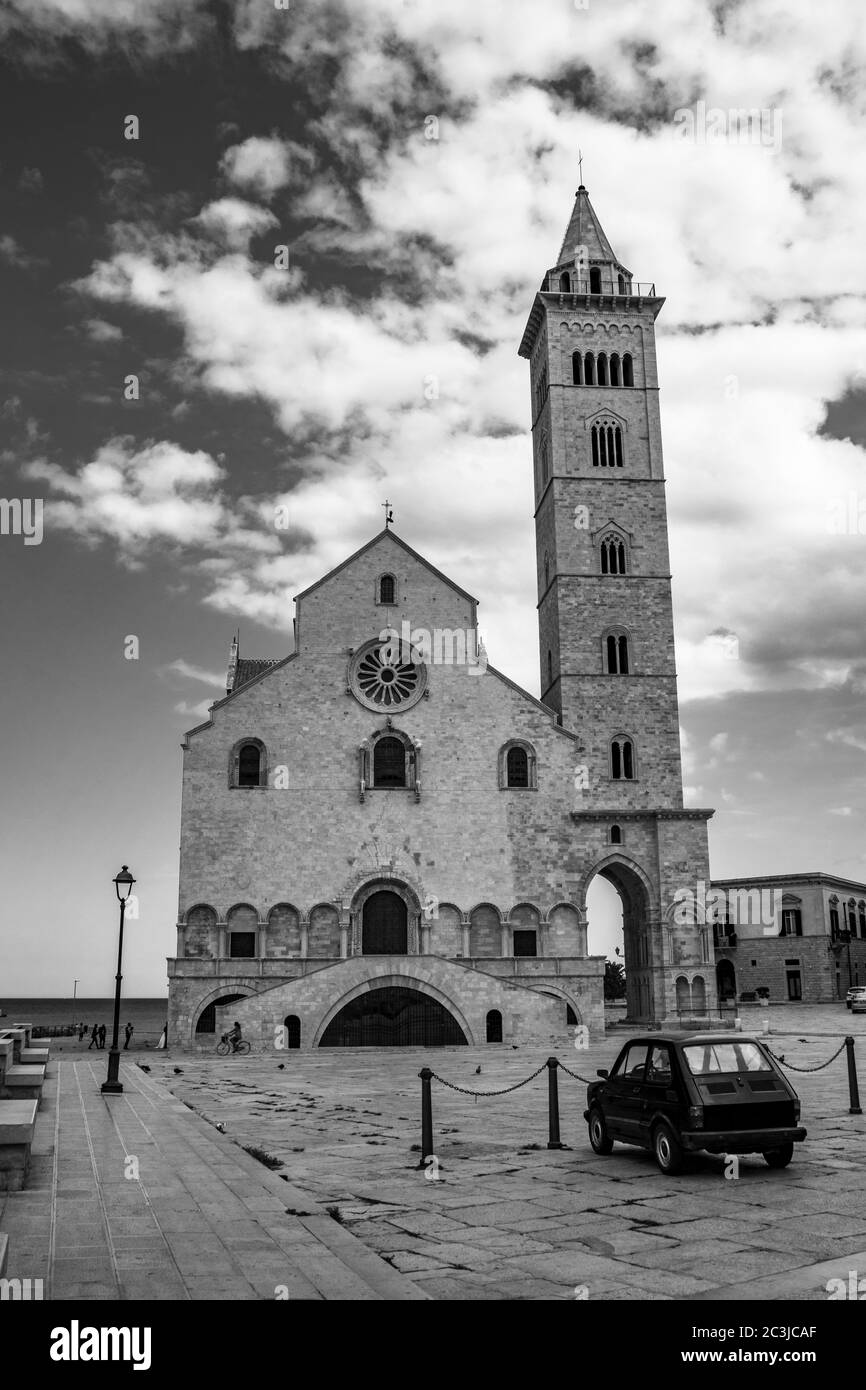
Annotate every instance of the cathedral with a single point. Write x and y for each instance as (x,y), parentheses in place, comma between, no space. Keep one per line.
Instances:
(384,839)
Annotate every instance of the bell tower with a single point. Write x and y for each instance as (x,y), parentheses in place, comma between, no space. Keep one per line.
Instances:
(604,595)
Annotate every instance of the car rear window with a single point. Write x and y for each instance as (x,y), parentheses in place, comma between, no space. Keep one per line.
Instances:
(704,1059)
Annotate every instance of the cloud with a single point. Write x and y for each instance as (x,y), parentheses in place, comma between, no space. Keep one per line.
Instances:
(13,254)
(31,181)
(101,332)
(196,673)
(235,222)
(261,165)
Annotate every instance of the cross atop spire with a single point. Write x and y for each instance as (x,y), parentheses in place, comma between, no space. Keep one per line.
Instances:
(580,165)
(389,515)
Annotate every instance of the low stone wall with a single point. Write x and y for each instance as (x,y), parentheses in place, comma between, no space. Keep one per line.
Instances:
(529,1015)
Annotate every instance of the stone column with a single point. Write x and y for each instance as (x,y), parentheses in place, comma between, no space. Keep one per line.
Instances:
(181,939)
(504,939)
(221,940)
(344,938)
(305,937)
(425,937)
(464,931)
(262,940)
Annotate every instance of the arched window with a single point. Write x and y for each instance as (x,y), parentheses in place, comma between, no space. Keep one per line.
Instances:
(606,445)
(249,765)
(621,283)
(612,552)
(546,571)
(292,1025)
(834,917)
(494,1026)
(862,914)
(389,763)
(614,369)
(565,282)
(517,768)
(594,280)
(699,995)
(616,653)
(627,371)
(616,835)
(576,369)
(852,918)
(622,759)
(684,995)
(387,588)
(601,362)
(545,460)
(588,369)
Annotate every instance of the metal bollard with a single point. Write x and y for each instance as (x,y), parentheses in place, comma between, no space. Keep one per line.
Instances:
(853,1092)
(426,1076)
(553,1141)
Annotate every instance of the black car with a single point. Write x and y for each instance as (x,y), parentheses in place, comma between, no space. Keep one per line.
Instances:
(680,1092)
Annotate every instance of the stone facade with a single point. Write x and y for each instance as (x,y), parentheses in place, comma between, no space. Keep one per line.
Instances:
(344,797)
(787,935)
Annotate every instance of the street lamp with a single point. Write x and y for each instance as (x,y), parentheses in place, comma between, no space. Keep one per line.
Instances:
(123,886)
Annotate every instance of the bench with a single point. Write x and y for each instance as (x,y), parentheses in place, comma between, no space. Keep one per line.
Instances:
(17,1125)
(17,1080)
(32,1054)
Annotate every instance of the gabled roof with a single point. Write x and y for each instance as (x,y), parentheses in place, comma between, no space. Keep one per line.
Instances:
(397,541)
(584,229)
(248,667)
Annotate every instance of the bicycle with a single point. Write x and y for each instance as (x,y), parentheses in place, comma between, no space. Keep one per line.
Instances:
(224,1049)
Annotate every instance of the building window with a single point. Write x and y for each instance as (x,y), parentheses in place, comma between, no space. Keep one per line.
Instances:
(612,553)
(616,653)
(517,768)
(549,669)
(792,922)
(248,764)
(862,915)
(389,763)
(494,1026)
(620,280)
(622,759)
(614,369)
(387,588)
(607,445)
(546,571)
(627,370)
(525,943)
(541,390)
(588,369)
(292,1025)
(834,921)
(242,945)
(595,280)
(615,836)
(565,282)
(544,457)
(576,369)
(852,918)
(601,362)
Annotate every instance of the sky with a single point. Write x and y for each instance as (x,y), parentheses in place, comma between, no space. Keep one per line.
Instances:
(262,260)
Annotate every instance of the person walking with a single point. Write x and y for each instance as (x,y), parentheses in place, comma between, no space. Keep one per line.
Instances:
(82,1029)
(102,1032)
(129,1030)
(94,1038)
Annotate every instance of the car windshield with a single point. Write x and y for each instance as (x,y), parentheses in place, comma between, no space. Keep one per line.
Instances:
(703,1059)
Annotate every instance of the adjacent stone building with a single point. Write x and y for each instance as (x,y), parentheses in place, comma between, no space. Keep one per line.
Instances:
(791,938)
(384,839)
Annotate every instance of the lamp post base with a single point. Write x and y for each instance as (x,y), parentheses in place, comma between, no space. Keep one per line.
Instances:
(112,1086)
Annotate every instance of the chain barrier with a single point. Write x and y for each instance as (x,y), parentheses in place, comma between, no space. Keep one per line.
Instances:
(575,1074)
(464,1091)
(820,1067)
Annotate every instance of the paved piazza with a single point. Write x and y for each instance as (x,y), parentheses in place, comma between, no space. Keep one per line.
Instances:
(510,1219)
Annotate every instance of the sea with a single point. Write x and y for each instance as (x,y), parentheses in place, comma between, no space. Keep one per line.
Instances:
(147,1016)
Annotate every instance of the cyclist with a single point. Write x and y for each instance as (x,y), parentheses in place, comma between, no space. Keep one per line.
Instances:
(233,1036)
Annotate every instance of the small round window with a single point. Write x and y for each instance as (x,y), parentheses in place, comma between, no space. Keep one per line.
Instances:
(383,676)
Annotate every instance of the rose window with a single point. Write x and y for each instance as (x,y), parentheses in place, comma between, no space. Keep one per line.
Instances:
(382,677)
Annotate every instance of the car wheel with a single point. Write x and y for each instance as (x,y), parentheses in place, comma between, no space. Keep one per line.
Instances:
(667,1149)
(779,1158)
(598,1135)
